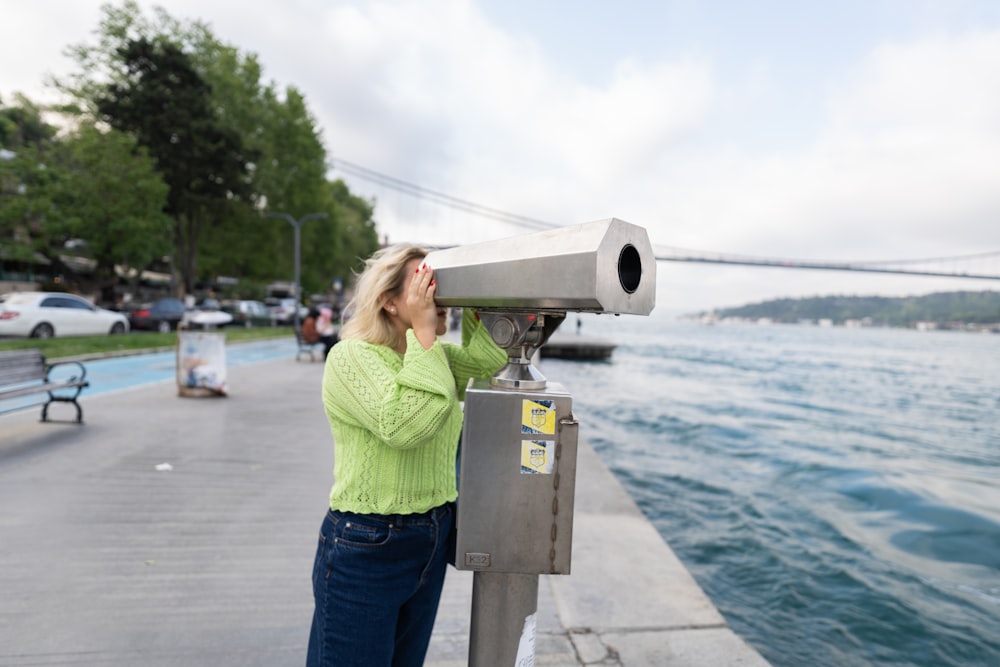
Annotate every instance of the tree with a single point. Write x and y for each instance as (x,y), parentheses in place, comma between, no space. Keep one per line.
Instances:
(357,230)
(167,106)
(289,178)
(26,161)
(270,132)
(110,194)
(22,125)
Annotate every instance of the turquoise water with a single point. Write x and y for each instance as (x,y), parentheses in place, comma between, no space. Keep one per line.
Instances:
(836,492)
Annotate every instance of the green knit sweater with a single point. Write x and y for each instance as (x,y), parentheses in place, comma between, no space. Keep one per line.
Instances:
(396,419)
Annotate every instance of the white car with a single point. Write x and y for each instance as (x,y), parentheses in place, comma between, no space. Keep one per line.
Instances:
(248,313)
(283,310)
(48,314)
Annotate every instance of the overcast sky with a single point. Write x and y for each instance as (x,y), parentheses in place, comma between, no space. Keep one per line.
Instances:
(851,130)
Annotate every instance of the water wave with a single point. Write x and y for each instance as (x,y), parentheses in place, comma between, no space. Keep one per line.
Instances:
(832,490)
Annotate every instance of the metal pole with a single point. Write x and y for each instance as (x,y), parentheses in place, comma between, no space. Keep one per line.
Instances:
(297,225)
(298,270)
(504,619)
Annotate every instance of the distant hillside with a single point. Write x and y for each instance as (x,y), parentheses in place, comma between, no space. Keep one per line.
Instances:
(941,308)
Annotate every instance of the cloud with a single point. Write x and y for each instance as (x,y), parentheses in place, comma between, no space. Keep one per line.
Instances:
(709,149)
(905,162)
(457,104)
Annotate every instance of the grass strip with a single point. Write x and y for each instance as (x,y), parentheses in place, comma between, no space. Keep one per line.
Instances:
(135,342)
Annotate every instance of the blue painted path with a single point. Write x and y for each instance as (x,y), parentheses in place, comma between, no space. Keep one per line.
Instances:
(127,372)
(107,375)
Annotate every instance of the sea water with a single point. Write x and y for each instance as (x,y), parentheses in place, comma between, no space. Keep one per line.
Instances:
(835,491)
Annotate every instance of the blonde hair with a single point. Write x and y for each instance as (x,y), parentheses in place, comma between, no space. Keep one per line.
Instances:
(381,279)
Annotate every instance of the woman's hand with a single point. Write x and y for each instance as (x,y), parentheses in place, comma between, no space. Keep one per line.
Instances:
(421,307)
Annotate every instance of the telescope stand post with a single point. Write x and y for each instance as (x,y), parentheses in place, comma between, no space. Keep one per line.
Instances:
(504,619)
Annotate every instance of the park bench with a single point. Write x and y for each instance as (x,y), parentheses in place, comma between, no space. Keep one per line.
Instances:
(24,373)
(305,347)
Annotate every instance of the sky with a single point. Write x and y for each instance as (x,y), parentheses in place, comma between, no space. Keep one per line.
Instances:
(858,130)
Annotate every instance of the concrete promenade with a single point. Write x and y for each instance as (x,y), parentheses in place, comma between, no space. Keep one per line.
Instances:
(106,560)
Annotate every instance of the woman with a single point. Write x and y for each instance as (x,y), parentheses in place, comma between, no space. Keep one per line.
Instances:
(391,391)
(326,329)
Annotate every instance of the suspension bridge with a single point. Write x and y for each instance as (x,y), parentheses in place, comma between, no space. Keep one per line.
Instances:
(979,266)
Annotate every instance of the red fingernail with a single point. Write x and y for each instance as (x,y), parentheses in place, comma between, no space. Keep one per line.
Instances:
(433,283)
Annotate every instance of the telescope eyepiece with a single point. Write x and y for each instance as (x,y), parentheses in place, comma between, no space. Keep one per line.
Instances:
(503,332)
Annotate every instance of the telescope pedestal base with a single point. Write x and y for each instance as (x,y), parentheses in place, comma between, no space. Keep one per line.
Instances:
(518,375)
(504,618)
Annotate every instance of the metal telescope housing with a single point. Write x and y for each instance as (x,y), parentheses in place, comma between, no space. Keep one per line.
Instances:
(514,517)
(523,286)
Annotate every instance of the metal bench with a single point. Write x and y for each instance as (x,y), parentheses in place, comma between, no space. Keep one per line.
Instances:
(24,372)
(305,347)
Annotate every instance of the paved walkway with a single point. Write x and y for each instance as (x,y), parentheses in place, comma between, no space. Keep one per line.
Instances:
(106,560)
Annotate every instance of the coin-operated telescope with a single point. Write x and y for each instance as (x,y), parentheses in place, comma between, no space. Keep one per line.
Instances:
(519,439)
(524,286)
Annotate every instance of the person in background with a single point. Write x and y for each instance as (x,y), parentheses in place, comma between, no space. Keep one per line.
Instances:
(309,332)
(327,329)
(391,392)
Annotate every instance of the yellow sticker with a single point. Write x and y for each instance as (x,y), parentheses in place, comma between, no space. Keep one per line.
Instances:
(538,417)
(537,457)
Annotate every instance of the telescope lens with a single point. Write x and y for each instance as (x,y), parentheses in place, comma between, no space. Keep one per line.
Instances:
(629,268)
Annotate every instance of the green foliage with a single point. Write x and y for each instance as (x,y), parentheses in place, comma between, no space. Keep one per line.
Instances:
(88,184)
(22,125)
(25,200)
(968,307)
(228,146)
(110,193)
(27,143)
(357,230)
(290,180)
(167,106)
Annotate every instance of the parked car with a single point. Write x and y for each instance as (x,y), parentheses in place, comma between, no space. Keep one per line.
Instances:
(207,315)
(163,315)
(283,310)
(247,313)
(48,314)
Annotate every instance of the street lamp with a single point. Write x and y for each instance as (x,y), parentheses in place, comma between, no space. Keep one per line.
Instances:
(297,225)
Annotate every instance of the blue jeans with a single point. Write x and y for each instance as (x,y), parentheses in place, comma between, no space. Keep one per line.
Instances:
(377,582)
